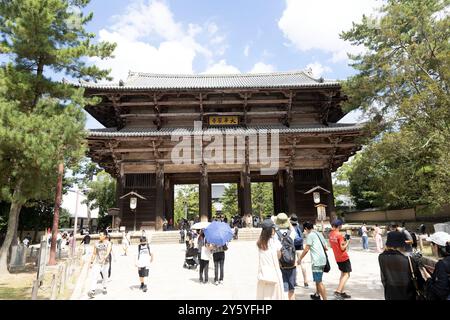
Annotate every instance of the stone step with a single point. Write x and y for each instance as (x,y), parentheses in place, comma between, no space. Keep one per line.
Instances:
(162,237)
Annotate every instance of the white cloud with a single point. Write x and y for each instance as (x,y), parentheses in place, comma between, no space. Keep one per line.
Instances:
(318,69)
(168,57)
(317,24)
(149,39)
(261,67)
(141,19)
(212,28)
(222,68)
(217,39)
(247,50)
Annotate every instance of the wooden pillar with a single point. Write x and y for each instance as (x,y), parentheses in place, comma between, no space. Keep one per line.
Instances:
(245,181)
(209,202)
(290,188)
(159,205)
(203,196)
(279,196)
(168,198)
(330,197)
(276,197)
(246,193)
(240,194)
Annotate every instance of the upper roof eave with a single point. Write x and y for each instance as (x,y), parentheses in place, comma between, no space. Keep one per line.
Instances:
(277,80)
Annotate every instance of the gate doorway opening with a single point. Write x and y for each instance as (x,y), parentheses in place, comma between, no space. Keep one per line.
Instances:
(186,202)
(262,200)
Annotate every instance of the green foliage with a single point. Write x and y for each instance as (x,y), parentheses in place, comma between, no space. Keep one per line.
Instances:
(402,83)
(397,172)
(64,218)
(187,196)
(262,199)
(4,210)
(84,172)
(42,120)
(101,194)
(32,143)
(230,201)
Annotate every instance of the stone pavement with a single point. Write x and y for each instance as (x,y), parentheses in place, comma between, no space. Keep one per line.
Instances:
(168,280)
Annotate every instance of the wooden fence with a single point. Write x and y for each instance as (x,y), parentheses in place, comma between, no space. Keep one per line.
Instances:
(54,278)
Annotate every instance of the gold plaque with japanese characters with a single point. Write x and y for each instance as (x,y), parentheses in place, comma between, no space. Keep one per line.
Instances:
(223,120)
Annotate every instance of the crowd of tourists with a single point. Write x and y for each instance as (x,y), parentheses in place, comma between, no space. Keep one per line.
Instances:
(403,274)
(286,248)
(283,247)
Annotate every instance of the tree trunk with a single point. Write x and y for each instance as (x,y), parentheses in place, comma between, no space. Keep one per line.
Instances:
(14,241)
(52,260)
(14,212)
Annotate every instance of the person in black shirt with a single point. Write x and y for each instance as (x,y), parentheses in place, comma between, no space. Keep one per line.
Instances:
(395,270)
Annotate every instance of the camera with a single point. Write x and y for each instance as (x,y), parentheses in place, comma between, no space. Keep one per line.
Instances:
(417,258)
(347,237)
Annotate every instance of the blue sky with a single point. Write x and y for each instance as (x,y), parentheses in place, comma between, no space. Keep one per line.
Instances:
(206,36)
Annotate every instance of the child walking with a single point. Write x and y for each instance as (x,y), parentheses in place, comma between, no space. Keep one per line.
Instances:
(144,258)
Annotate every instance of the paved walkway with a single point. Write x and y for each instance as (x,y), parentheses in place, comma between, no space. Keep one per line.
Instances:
(168,280)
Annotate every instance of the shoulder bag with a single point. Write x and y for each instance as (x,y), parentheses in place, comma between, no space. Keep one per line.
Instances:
(419,294)
(327,267)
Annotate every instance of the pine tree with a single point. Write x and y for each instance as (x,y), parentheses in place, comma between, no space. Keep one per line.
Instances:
(42,119)
(403,78)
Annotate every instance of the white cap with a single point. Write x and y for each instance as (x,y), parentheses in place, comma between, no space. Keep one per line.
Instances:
(440,238)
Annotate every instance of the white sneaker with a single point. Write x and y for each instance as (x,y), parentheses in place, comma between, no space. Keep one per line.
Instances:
(104,291)
(216,283)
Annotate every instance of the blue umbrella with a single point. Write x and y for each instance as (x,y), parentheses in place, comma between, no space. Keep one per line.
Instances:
(218,233)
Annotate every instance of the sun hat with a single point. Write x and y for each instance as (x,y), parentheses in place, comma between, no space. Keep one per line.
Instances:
(440,238)
(396,239)
(282,221)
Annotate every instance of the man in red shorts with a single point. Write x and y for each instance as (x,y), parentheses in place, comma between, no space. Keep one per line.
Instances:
(339,244)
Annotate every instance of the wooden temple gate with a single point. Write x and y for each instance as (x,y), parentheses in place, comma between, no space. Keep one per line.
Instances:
(146,116)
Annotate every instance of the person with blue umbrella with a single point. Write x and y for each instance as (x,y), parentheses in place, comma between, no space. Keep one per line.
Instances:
(218,234)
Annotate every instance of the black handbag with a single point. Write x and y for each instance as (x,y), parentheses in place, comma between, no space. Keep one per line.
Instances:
(327,267)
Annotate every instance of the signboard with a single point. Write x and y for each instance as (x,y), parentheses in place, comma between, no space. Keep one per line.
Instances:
(223,120)
(321,212)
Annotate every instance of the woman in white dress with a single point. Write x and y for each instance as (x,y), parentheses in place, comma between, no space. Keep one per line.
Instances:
(270,280)
(378,239)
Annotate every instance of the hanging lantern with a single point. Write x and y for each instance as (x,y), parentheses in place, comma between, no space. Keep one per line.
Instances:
(133,203)
(316,196)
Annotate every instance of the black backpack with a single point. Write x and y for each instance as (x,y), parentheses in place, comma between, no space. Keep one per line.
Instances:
(298,241)
(287,259)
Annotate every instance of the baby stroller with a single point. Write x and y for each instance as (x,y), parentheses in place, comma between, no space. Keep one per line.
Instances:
(191,259)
